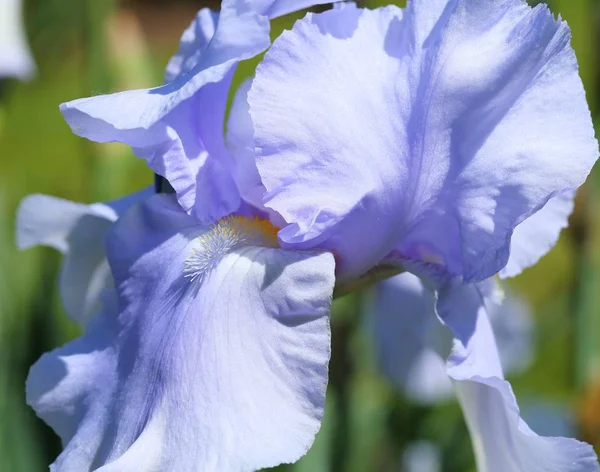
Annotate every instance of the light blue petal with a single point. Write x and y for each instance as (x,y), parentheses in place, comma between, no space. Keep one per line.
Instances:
(15,56)
(275,8)
(318,168)
(228,374)
(535,236)
(178,128)
(78,231)
(502,441)
(427,131)
(61,382)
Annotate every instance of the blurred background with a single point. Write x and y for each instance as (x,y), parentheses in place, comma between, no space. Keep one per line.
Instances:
(88,47)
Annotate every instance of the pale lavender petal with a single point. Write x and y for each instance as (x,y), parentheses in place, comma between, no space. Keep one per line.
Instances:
(178,128)
(244,26)
(77,231)
(502,441)
(275,8)
(193,44)
(319,169)
(15,57)
(535,236)
(61,382)
(224,375)
(430,128)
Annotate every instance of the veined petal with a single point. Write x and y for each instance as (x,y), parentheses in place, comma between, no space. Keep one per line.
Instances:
(78,231)
(318,169)
(227,373)
(501,439)
(15,57)
(427,130)
(178,128)
(535,236)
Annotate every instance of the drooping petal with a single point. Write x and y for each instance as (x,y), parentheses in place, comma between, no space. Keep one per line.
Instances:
(501,439)
(427,131)
(178,128)
(224,374)
(77,231)
(15,57)
(61,382)
(535,236)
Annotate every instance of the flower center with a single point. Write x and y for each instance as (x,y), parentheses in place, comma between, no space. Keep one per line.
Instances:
(224,236)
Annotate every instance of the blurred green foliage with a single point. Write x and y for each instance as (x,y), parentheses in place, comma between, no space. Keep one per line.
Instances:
(367,424)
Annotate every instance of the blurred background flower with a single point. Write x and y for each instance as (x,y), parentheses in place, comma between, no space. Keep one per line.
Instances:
(15,58)
(86,47)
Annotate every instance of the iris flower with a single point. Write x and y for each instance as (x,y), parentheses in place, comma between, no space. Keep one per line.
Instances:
(446,139)
(15,57)
(211,350)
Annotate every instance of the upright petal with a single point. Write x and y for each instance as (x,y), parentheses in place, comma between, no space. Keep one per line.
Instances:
(244,26)
(77,231)
(15,57)
(178,128)
(426,131)
(501,439)
(309,102)
(226,374)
